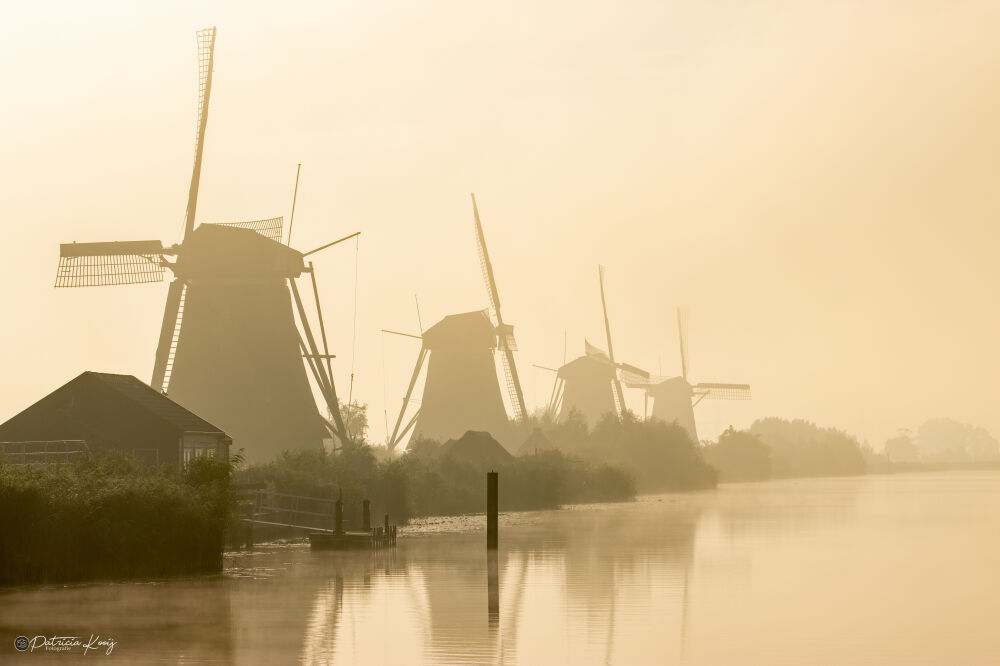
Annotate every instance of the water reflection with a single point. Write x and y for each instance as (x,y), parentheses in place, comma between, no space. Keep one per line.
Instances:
(758,573)
(189,620)
(493,586)
(570,569)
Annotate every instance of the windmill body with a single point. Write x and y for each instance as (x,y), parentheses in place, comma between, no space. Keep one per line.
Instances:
(592,383)
(675,398)
(587,387)
(237,357)
(461,391)
(229,348)
(672,402)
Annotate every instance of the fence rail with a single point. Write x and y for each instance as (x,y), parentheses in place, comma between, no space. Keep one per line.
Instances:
(44,452)
(322,518)
(294,511)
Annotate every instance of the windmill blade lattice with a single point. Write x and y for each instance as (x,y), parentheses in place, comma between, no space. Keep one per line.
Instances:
(269,228)
(717,391)
(619,395)
(206,59)
(505,332)
(106,264)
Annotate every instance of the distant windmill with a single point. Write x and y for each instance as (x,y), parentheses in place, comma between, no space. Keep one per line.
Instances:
(592,383)
(674,398)
(237,360)
(462,390)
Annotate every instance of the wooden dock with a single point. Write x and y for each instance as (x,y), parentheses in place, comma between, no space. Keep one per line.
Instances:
(374,539)
(321,519)
(368,537)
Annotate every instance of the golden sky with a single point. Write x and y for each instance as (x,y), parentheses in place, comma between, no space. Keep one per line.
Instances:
(815,182)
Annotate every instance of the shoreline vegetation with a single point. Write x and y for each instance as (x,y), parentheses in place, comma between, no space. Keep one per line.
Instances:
(114,518)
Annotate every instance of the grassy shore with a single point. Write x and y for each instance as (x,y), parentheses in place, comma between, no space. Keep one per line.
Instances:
(111,518)
(426,485)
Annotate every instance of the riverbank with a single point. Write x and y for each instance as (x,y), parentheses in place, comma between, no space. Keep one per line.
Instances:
(425,484)
(111,518)
(775,567)
(914,466)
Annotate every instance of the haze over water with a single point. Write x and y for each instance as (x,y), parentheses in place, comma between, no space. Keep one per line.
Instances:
(897,569)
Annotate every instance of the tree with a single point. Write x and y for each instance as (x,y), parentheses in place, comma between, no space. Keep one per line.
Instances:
(901,448)
(739,455)
(947,440)
(355,417)
(801,448)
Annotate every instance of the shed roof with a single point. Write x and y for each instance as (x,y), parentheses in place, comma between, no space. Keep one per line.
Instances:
(153,401)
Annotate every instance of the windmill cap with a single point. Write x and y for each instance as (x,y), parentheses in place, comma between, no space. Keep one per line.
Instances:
(467,329)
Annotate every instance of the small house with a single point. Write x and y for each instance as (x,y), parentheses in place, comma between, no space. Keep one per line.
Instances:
(476,448)
(121,413)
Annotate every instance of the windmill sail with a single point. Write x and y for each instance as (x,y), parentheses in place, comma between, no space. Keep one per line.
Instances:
(505,332)
(674,398)
(237,360)
(234,353)
(106,264)
(461,388)
(269,228)
(680,338)
(592,383)
(206,60)
(593,350)
(619,396)
(170,329)
(718,391)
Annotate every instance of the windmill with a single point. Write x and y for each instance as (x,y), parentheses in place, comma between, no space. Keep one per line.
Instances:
(229,348)
(462,389)
(592,383)
(675,398)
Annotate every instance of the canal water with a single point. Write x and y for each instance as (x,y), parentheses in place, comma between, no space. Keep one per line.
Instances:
(898,569)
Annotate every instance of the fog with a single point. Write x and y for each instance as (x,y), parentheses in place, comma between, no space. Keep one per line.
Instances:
(813,182)
(765,573)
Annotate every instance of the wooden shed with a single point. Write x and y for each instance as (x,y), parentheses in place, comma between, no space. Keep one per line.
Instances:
(119,412)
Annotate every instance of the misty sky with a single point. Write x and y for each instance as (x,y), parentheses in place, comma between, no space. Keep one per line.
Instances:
(815,182)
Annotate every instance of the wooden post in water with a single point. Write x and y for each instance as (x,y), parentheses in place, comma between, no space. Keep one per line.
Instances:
(491,510)
(338,514)
(366,516)
(248,534)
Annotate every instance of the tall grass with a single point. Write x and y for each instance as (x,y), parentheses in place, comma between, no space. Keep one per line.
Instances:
(111,519)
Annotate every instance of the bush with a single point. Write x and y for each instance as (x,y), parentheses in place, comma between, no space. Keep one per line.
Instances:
(800,448)
(740,456)
(659,456)
(111,518)
(425,483)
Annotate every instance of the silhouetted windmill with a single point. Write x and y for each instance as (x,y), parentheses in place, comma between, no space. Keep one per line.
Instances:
(462,390)
(592,383)
(674,398)
(229,347)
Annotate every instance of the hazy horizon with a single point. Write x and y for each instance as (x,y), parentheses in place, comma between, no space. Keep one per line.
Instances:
(813,182)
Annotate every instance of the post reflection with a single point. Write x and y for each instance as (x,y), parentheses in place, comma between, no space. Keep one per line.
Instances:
(555,589)
(493,590)
(656,581)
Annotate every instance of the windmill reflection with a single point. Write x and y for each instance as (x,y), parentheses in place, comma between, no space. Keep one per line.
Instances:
(583,568)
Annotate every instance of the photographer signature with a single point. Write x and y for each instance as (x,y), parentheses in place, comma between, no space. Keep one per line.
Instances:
(67,643)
